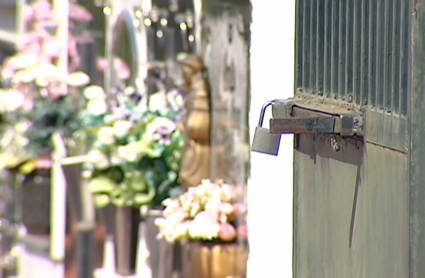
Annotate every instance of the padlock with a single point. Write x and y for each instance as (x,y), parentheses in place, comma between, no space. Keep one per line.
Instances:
(264,141)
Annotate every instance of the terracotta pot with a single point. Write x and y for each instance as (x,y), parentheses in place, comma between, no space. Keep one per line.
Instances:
(213,260)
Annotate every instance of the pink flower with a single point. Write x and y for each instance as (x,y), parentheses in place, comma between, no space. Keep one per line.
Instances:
(26,39)
(122,69)
(79,13)
(51,47)
(28,14)
(21,61)
(102,64)
(33,48)
(55,91)
(243,231)
(239,209)
(227,232)
(42,9)
(41,5)
(204,226)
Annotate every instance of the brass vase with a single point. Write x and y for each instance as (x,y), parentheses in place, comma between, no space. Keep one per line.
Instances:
(213,260)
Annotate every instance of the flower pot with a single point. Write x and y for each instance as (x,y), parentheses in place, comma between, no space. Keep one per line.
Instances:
(161,253)
(213,260)
(125,238)
(35,194)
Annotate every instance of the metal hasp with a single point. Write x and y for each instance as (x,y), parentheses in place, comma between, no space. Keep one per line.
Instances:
(290,116)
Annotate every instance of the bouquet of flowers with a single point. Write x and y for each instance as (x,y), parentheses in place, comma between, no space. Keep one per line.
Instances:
(27,122)
(35,99)
(134,151)
(208,212)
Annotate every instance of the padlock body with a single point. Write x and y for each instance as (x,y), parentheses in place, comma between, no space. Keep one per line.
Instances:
(265,142)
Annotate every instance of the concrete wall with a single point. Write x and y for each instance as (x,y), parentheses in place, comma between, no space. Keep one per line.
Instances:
(270,184)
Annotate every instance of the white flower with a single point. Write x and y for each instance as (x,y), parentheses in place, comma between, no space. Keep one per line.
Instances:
(174,226)
(213,204)
(78,79)
(45,73)
(122,128)
(22,60)
(98,159)
(21,140)
(160,123)
(97,106)
(223,218)
(94,92)
(160,222)
(182,229)
(168,202)
(226,208)
(6,74)
(171,205)
(86,174)
(41,82)
(175,99)
(158,101)
(194,210)
(128,91)
(198,214)
(23,76)
(186,202)
(205,226)
(177,217)
(7,138)
(106,135)
(115,158)
(227,192)
(11,100)
(127,153)
(22,127)
(200,190)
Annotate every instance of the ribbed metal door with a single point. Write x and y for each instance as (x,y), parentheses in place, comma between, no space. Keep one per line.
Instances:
(352,204)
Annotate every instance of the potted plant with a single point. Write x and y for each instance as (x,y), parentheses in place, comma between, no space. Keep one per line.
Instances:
(37,99)
(209,222)
(133,157)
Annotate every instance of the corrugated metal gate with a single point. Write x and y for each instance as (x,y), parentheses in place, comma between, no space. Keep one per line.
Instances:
(359,201)
(354,51)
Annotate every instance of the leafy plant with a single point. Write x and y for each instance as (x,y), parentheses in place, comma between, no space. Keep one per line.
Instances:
(36,100)
(134,151)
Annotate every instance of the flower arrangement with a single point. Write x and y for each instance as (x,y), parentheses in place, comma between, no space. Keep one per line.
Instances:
(208,212)
(134,150)
(41,44)
(35,99)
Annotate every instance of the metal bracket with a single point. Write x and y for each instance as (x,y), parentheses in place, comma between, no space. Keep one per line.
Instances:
(297,117)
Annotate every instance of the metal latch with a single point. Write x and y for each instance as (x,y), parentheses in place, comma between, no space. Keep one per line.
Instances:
(298,117)
(290,116)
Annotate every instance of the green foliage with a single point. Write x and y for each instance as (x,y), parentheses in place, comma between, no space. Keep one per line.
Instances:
(47,117)
(135,149)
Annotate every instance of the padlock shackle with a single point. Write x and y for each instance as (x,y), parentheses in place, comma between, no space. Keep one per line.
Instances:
(263,111)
